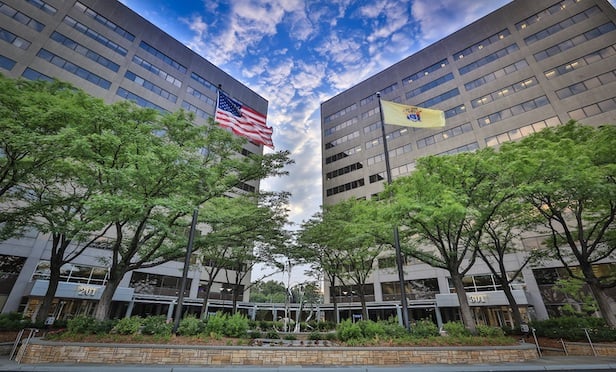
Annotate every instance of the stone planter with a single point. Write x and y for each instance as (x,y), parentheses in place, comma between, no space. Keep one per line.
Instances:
(49,352)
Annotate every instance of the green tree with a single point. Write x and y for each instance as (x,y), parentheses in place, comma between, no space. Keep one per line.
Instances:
(33,116)
(153,170)
(268,291)
(568,174)
(442,209)
(243,231)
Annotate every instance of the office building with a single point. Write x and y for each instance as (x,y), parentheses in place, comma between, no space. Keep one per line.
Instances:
(112,53)
(524,67)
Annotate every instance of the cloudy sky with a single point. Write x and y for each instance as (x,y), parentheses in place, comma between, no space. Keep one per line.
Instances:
(297,54)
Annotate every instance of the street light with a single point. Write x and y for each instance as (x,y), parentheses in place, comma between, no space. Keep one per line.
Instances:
(224,291)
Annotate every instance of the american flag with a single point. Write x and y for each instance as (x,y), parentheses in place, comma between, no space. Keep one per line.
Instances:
(243,120)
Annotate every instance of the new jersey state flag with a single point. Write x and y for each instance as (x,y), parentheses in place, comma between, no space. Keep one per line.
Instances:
(411,116)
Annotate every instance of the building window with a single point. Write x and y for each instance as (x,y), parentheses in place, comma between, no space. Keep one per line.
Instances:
(506,91)
(340,113)
(515,134)
(488,59)
(43,6)
(155,284)
(465,148)
(162,56)
(587,84)
(513,111)
(535,18)
(150,86)
(104,21)
(346,187)
(342,140)
(455,111)
(21,17)
(11,38)
(433,84)
(94,35)
(577,40)
(593,109)
(492,76)
(444,135)
(440,98)
(73,68)
(342,155)
(344,170)
(581,62)
(203,82)
(555,28)
(88,53)
(155,70)
(200,96)
(425,72)
(7,63)
(138,100)
(329,131)
(31,74)
(192,108)
(482,44)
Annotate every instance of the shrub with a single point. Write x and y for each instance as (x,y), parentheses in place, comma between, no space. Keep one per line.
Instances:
(456,329)
(190,326)
(424,328)
(13,321)
(81,324)
(254,334)
(236,326)
(102,327)
(315,335)
(487,331)
(272,334)
(572,328)
(290,337)
(348,330)
(129,326)
(216,324)
(370,329)
(156,325)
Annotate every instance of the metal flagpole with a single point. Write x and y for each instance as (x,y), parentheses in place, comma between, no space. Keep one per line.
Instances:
(191,237)
(399,262)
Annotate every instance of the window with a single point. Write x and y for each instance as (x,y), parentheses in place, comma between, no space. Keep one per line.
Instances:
(74,69)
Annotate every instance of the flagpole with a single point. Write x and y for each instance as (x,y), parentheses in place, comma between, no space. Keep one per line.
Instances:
(399,262)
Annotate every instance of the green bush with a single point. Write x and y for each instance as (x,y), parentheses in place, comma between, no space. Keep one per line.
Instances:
(456,329)
(236,326)
(370,329)
(272,334)
(254,334)
(129,326)
(81,324)
(13,321)
(487,331)
(424,328)
(190,326)
(156,325)
(215,324)
(572,328)
(102,327)
(315,335)
(290,337)
(348,330)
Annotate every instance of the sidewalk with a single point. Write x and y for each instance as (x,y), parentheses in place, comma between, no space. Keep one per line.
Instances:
(551,363)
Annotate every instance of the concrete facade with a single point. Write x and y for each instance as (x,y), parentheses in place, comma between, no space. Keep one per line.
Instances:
(112,53)
(524,67)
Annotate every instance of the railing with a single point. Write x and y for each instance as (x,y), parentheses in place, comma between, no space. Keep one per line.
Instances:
(19,340)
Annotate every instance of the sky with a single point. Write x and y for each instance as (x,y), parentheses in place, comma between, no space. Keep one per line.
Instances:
(297,54)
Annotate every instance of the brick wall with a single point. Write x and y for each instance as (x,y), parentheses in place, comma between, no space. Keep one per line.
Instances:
(39,351)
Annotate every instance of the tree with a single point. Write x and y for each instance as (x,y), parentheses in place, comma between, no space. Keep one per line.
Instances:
(344,245)
(33,116)
(568,174)
(45,187)
(153,171)
(242,231)
(441,209)
(270,291)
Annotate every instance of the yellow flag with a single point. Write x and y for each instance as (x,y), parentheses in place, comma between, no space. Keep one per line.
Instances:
(411,116)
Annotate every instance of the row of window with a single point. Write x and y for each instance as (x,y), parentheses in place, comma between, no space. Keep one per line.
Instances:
(470,147)
(537,17)
(43,6)
(346,187)
(513,111)
(344,170)
(163,57)
(488,59)
(425,72)
(587,84)
(73,68)
(504,92)
(342,139)
(88,53)
(593,109)
(200,96)
(440,98)
(199,79)
(157,71)
(517,133)
(11,38)
(426,87)
(371,98)
(392,154)
(348,123)
(340,113)
(342,155)
(578,63)
(444,135)
(510,69)
(104,21)
(482,44)
(555,28)
(73,23)
(21,17)
(576,40)
(121,92)
(151,86)
(192,108)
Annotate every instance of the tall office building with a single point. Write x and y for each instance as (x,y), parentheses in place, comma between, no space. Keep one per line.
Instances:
(524,67)
(110,52)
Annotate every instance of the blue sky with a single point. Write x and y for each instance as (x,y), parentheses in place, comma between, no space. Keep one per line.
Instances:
(297,54)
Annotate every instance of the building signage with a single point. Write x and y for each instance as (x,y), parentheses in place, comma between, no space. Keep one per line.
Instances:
(477,298)
(86,290)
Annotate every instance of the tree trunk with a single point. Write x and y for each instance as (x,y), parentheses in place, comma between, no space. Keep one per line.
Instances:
(364,307)
(54,279)
(607,305)
(465,309)
(103,308)
(208,290)
(515,309)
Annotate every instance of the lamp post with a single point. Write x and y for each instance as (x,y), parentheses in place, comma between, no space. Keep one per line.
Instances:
(191,238)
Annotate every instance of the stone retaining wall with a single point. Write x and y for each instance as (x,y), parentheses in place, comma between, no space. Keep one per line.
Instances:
(48,352)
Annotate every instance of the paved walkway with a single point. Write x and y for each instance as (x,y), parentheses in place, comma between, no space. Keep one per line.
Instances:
(551,363)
